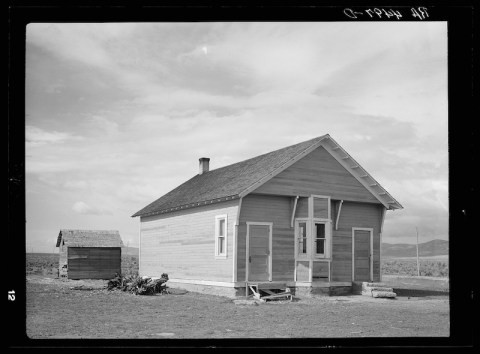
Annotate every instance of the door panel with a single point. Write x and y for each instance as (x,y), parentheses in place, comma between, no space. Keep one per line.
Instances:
(259,253)
(362,251)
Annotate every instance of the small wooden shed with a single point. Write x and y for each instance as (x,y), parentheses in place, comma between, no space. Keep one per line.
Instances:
(89,254)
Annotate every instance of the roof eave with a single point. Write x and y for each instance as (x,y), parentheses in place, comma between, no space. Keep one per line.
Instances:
(357,171)
(187,206)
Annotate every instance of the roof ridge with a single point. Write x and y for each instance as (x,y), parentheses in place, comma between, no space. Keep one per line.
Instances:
(271,152)
(240,178)
(247,169)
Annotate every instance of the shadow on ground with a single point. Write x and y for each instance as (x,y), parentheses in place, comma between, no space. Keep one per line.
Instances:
(420,292)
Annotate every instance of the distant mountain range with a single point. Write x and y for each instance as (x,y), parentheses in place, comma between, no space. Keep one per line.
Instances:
(426,249)
(130,251)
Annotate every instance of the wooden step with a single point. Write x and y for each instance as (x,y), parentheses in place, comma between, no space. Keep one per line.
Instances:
(369,285)
(386,294)
(376,288)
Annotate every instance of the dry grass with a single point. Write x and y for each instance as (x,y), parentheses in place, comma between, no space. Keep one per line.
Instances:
(57,311)
(408,266)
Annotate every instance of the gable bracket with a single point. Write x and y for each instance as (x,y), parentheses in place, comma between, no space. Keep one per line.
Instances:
(338,214)
(294,209)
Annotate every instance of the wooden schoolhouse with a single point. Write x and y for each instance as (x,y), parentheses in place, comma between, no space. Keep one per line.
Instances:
(307,215)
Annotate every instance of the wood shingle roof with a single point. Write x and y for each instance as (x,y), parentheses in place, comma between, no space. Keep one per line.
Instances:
(234,181)
(90,238)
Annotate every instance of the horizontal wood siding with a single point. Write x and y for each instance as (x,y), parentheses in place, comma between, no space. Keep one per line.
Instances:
(354,215)
(278,210)
(302,208)
(93,262)
(317,173)
(320,208)
(182,243)
(320,270)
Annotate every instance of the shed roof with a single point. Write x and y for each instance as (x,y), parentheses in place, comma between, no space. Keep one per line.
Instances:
(90,238)
(236,180)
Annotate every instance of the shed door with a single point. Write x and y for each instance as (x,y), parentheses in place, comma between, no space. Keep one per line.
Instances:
(259,252)
(362,252)
(93,262)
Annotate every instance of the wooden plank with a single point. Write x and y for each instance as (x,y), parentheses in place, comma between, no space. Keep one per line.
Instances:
(302,208)
(275,209)
(276,296)
(272,285)
(320,270)
(98,263)
(318,173)
(303,271)
(320,208)
(182,243)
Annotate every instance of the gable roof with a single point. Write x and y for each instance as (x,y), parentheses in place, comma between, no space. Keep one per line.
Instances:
(90,238)
(239,179)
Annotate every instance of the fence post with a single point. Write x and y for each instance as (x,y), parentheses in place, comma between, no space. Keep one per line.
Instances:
(418,263)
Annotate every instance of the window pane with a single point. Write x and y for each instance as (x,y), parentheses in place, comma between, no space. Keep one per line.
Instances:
(320,238)
(303,229)
(221,227)
(320,230)
(302,245)
(221,245)
(320,246)
(302,238)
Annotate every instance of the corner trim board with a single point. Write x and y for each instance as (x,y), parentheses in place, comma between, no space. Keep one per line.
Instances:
(235,241)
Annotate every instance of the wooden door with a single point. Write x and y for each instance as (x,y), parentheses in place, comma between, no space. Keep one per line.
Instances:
(362,253)
(259,252)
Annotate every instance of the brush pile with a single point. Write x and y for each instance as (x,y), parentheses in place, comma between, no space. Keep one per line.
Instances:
(139,285)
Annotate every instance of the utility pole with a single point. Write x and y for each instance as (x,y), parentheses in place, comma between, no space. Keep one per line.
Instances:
(418,263)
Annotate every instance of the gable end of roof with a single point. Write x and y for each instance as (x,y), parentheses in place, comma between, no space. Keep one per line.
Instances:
(239,179)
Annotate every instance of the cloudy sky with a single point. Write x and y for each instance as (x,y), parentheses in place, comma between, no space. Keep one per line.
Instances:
(118,114)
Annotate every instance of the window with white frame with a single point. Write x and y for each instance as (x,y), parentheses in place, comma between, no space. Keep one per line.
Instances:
(313,234)
(320,238)
(301,233)
(221,236)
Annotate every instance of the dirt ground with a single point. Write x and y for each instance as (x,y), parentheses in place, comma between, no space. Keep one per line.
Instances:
(56,310)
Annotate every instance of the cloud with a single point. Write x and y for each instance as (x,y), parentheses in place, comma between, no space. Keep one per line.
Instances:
(35,136)
(85,209)
(102,125)
(136,105)
(86,43)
